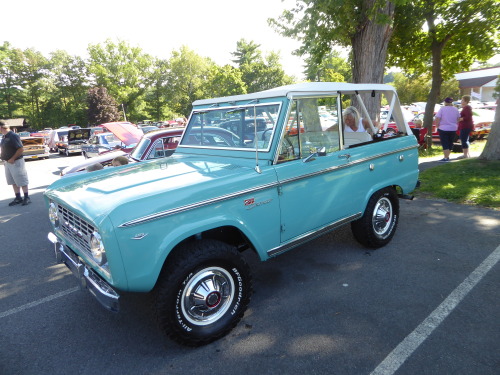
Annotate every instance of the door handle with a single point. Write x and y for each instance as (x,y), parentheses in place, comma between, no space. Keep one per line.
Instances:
(345,156)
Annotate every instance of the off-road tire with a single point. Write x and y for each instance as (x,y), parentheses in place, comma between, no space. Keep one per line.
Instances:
(202,292)
(379,222)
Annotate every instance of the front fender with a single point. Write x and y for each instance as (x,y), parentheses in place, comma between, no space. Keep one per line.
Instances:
(145,247)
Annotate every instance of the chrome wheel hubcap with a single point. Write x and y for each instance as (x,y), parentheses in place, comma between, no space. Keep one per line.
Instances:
(207,296)
(382,217)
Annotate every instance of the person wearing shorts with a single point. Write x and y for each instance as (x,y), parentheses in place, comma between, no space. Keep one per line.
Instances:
(15,169)
(447,124)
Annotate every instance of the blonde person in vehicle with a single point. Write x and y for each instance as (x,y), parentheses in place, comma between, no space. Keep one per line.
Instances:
(354,123)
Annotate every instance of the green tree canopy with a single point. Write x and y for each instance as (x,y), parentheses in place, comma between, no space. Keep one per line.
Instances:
(33,74)
(52,92)
(442,37)
(224,81)
(68,89)
(11,95)
(125,71)
(258,72)
(246,53)
(362,25)
(186,78)
(332,68)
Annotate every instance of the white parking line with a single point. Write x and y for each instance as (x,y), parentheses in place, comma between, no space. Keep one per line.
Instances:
(39,302)
(406,348)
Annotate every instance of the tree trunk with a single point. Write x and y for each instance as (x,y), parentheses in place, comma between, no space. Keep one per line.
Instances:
(492,148)
(432,98)
(369,47)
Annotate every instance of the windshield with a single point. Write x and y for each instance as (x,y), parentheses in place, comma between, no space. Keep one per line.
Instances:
(140,148)
(243,127)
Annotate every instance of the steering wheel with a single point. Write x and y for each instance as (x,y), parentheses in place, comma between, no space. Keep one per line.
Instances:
(264,133)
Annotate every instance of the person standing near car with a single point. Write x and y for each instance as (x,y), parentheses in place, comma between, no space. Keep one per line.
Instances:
(15,169)
(447,125)
(465,125)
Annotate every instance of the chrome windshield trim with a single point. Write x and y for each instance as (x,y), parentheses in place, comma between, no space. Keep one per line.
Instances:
(297,241)
(233,105)
(189,207)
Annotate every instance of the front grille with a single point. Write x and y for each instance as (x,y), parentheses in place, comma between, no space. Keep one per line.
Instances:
(75,229)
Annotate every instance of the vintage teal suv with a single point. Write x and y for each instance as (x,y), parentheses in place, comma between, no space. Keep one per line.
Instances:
(263,172)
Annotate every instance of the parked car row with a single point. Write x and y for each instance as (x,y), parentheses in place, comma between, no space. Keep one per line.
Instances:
(103,143)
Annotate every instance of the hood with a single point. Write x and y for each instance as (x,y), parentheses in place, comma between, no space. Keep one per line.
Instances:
(78,135)
(138,190)
(126,132)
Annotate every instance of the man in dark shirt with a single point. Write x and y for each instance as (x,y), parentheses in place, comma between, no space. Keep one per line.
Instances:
(15,169)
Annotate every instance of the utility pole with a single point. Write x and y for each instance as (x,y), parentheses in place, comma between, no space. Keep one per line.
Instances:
(124,115)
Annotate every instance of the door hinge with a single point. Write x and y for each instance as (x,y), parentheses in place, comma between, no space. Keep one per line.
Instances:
(283,228)
(280,190)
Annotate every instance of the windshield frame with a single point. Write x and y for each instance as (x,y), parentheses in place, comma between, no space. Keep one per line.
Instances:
(268,119)
(140,148)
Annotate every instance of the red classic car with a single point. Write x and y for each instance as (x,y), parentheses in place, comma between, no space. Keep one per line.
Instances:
(483,118)
(153,145)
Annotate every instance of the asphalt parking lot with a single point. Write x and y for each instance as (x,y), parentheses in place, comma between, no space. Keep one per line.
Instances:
(427,303)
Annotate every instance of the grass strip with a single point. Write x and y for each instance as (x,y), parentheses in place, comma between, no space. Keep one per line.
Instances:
(468,181)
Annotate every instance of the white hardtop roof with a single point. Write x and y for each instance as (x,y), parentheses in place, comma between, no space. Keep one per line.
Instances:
(311,88)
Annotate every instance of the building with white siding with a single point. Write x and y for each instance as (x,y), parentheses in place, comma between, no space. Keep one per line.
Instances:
(479,84)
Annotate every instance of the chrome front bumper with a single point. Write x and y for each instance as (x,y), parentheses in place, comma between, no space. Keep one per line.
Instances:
(88,278)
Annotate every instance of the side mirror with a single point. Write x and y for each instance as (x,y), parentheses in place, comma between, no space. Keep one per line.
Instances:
(319,152)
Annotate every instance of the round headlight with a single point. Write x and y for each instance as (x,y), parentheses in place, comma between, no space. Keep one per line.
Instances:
(54,219)
(97,249)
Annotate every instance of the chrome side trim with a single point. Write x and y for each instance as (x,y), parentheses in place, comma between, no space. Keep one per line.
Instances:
(347,165)
(309,235)
(189,207)
(276,184)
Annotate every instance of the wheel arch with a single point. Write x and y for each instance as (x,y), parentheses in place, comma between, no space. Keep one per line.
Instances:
(228,233)
(397,189)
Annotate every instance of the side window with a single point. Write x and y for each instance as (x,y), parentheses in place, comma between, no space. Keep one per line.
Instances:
(312,127)
(157,151)
(172,142)
(162,146)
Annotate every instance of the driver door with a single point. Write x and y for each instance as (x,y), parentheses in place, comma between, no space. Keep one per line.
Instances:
(311,169)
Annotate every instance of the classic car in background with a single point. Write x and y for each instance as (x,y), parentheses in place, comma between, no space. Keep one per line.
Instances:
(483,118)
(74,141)
(35,148)
(153,145)
(57,137)
(117,135)
(100,143)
